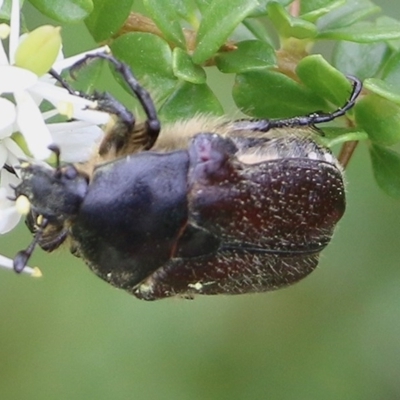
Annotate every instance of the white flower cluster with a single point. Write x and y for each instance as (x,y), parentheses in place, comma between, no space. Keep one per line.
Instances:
(21,94)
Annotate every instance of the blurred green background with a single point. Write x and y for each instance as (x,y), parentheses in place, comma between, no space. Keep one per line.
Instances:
(335,335)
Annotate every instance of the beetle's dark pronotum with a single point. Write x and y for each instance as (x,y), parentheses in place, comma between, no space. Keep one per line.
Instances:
(205,207)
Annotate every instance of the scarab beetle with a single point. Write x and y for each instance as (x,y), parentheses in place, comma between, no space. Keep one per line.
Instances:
(203,208)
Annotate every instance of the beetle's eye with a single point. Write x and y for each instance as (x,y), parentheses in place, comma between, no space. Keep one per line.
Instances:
(70,172)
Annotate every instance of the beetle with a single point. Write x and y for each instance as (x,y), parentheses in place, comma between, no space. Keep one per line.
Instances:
(206,207)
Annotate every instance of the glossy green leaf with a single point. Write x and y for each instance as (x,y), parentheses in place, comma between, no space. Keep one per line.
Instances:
(380,118)
(184,68)
(186,9)
(218,22)
(250,54)
(262,8)
(363,32)
(384,89)
(348,14)
(165,16)
(203,5)
(312,10)
(288,26)
(362,60)
(317,74)
(106,19)
(269,94)
(258,29)
(150,58)
(64,11)
(391,72)
(334,136)
(385,20)
(85,79)
(188,100)
(386,167)
(5,11)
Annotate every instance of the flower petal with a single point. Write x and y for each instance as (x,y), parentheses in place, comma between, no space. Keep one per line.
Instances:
(60,98)
(13,79)
(8,115)
(3,155)
(9,217)
(32,126)
(76,139)
(14,34)
(70,61)
(3,55)
(14,151)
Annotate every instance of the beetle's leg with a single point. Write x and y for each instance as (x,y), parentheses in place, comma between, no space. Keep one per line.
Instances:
(66,85)
(106,102)
(152,125)
(264,125)
(120,134)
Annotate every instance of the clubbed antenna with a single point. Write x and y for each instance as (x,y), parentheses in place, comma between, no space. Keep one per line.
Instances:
(21,259)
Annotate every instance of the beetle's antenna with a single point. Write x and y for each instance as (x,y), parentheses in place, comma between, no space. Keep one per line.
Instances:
(152,123)
(21,259)
(264,125)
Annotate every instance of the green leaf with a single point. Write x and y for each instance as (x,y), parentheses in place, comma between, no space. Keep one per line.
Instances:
(165,16)
(380,118)
(386,167)
(386,90)
(250,54)
(68,11)
(363,32)
(150,58)
(262,8)
(360,59)
(203,5)
(317,74)
(288,26)
(334,136)
(5,11)
(312,10)
(106,19)
(187,10)
(188,100)
(269,94)
(86,78)
(258,29)
(219,21)
(391,72)
(348,14)
(184,68)
(385,20)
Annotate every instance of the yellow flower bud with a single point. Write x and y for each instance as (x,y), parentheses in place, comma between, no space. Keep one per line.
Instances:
(39,50)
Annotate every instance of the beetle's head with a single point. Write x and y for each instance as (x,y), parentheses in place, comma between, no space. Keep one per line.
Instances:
(54,193)
(49,197)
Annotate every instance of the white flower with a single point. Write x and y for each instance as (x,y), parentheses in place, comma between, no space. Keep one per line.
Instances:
(28,91)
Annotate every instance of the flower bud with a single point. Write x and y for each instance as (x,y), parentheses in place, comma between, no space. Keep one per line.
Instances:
(39,50)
